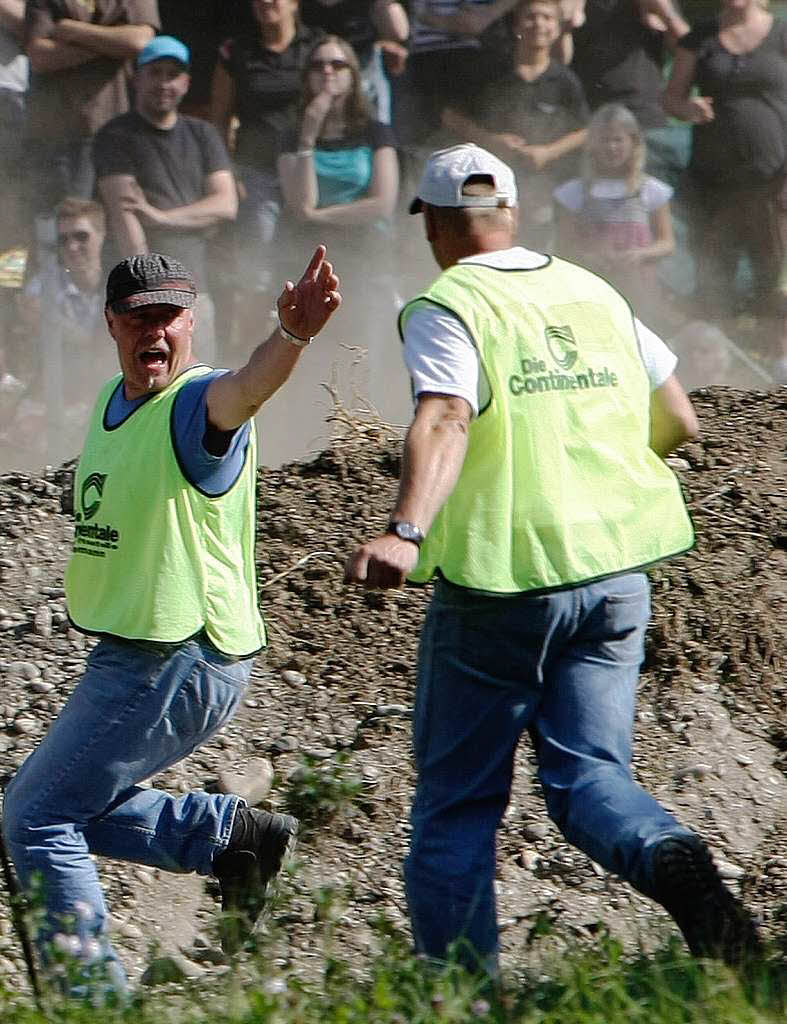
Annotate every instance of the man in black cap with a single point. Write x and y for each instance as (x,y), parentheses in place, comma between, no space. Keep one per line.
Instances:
(163,572)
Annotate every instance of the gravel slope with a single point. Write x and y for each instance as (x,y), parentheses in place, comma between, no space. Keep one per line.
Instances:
(337,683)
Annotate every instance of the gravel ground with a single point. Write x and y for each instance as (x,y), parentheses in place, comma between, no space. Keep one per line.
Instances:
(336,687)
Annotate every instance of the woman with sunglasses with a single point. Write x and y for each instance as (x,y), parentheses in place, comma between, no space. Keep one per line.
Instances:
(339,177)
(338,170)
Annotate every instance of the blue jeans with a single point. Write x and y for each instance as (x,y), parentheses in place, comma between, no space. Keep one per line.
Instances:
(137,710)
(563,665)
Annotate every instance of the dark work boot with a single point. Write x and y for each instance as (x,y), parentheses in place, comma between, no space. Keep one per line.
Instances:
(714,923)
(258,845)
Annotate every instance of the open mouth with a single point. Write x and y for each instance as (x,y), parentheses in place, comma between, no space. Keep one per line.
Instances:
(153,358)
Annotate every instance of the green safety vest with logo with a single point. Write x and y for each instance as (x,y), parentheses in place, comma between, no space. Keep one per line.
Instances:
(154,558)
(559,485)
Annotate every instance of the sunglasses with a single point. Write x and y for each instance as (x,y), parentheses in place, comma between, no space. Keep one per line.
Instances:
(73,236)
(336,64)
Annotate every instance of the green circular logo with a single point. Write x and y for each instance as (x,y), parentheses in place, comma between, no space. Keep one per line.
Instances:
(562,347)
(92,490)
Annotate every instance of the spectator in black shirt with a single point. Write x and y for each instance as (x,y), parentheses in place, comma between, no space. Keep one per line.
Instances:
(533,117)
(256,85)
(165,177)
(738,168)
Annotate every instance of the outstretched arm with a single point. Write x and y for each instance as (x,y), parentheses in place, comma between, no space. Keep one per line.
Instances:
(434,453)
(304,309)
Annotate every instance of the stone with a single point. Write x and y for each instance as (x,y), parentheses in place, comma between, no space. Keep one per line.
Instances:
(252,784)
(24,670)
(169,968)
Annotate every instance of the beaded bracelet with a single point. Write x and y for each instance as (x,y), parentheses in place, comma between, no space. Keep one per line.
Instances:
(293,338)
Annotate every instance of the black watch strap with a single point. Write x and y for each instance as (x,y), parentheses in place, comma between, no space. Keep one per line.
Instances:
(406,531)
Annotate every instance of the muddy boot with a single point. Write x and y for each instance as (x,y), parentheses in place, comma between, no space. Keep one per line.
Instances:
(714,923)
(259,843)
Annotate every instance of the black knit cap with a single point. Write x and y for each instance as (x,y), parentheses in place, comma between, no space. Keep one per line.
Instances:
(147,280)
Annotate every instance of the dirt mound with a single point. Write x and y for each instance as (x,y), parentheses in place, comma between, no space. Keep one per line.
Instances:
(336,687)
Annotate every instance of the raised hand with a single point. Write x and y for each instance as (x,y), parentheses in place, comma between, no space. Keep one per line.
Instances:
(304,308)
(314,117)
(701,110)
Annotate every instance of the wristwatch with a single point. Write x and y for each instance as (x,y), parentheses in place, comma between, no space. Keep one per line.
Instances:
(406,531)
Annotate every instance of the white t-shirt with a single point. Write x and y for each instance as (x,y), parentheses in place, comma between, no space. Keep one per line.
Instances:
(441,358)
(653,193)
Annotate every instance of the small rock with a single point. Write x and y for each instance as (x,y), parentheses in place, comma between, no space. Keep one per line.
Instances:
(24,670)
(533,831)
(698,771)
(728,870)
(42,623)
(42,686)
(205,954)
(319,753)
(169,968)
(284,744)
(293,678)
(253,784)
(24,726)
(393,710)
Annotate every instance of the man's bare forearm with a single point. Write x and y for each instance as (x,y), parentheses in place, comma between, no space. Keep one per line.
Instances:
(120,42)
(434,453)
(237,396)
(204,213)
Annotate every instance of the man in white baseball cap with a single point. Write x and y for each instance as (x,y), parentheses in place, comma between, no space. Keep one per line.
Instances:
(534,492)
(448,170)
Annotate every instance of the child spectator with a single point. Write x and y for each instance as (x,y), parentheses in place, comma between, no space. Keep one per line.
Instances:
(616,219)
(533,118)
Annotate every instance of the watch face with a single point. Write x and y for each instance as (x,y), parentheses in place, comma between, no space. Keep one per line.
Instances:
(407,531)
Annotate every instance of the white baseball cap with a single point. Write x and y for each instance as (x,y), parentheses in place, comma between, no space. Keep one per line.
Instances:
(447,171)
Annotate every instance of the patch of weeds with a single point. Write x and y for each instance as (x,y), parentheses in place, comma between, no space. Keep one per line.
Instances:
(317,791)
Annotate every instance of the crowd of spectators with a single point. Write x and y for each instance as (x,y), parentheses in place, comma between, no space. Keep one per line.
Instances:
(236,135)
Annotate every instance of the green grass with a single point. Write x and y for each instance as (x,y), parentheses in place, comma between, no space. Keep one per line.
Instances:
(596,985)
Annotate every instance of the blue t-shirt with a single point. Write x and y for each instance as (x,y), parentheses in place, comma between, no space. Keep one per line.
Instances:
(193,436)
